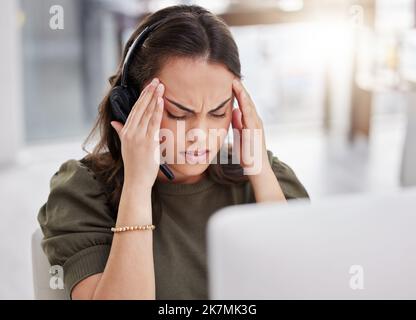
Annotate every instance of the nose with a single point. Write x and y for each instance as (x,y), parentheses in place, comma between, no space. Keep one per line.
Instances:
(197,131)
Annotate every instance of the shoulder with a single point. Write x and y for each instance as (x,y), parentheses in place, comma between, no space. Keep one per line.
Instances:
(76,216)
(77,178)
(289,182)
(76,201)
(74,173)
(75,186)
(75,189)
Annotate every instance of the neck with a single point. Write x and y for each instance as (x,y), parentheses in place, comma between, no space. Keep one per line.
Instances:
(180,178)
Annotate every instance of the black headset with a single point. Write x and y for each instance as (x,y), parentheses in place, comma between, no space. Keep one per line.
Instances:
(123,97)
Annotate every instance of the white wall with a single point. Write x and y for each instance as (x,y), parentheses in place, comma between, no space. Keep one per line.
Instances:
(408,172)
(10,90)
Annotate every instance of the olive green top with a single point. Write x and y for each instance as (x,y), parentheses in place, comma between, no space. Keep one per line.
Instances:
(77,217)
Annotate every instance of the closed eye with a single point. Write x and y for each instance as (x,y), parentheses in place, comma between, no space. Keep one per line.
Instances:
(211,113)
(184,117)
(219,115)
(175,117)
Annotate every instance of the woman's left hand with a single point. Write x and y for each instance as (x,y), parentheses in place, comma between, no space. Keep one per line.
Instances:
(253,152)
(264,182)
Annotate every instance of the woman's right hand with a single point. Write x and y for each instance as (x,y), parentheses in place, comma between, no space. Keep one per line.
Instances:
(138,143)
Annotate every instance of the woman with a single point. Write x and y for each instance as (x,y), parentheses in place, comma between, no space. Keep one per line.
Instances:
(188,73)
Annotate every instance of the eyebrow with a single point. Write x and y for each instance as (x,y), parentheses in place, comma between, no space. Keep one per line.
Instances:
(178,105)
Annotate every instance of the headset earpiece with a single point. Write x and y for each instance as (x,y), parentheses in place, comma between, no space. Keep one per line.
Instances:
(133,95)
(119,100)
(122,100)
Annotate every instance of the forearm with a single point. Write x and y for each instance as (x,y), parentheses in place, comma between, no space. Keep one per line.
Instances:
(129,272)
(266,186)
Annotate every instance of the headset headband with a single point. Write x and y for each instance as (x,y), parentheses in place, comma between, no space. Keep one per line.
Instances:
(138,42)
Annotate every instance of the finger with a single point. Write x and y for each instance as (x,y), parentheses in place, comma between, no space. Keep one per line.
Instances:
(237,132)
(154,123)
(137,111)
(236,119)
(245,103)
(241,95)
(144,91)
(144,122)
(117,126)
(141,105)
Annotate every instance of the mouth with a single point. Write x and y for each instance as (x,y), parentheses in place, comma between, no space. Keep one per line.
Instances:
(195,155)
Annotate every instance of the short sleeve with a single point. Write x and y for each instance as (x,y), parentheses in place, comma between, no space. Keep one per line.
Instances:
(291,186)
(76,222)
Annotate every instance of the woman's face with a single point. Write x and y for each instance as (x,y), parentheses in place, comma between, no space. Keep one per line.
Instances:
(198,102)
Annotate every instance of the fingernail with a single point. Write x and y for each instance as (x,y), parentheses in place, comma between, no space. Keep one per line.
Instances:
(160,87)
(155,81)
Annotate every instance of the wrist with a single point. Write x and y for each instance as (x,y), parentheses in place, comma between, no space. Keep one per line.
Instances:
(136,187)
(266,186)
(135,205)
(265,172)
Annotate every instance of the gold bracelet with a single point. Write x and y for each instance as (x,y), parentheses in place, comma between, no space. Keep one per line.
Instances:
(132,228)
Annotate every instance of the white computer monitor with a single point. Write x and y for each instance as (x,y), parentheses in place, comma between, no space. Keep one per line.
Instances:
(346,247)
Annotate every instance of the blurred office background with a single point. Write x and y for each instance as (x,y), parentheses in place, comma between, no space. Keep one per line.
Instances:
(334,82)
